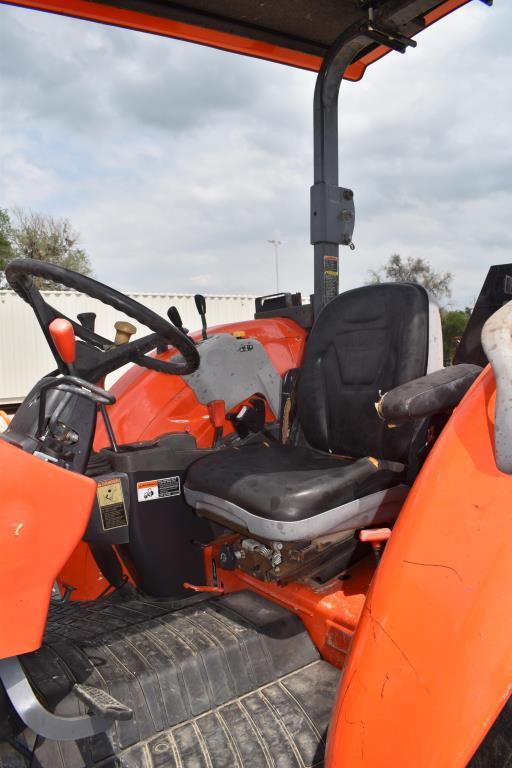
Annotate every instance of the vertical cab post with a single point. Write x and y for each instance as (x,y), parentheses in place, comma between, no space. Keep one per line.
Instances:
(332,206)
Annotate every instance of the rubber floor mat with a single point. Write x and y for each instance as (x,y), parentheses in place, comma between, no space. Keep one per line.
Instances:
(283,724)
(229,681)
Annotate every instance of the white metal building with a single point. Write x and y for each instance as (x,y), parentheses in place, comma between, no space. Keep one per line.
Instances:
(24,353)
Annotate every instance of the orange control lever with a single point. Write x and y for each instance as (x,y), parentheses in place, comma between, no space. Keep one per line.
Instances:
(63,337)
(217,413)
(203,588)
(375,535)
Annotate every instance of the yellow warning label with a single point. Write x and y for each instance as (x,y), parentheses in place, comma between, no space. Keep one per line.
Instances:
(111,502)
(110,492)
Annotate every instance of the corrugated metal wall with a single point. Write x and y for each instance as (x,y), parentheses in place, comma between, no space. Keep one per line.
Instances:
(24,354)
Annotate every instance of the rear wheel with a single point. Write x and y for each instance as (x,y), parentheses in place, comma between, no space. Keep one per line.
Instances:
(496,749)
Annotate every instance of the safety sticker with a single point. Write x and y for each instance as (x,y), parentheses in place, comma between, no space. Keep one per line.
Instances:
(331,276)
(111,503)
(151,490)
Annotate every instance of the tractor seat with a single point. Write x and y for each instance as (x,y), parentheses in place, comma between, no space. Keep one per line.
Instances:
(366,341)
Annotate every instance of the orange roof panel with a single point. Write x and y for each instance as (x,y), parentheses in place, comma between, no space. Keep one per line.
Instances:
(293,32)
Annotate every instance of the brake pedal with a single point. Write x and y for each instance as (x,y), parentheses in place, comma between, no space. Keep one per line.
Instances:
(102,703)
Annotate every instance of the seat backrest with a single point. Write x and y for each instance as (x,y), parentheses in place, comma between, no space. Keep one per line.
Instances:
(365,341)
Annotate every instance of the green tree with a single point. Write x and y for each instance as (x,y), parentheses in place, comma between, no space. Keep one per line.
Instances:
(398,270)
(454,323)
(409,270)
(6,246)
(40,236)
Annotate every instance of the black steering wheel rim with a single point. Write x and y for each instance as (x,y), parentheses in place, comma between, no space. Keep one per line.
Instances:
(19,274)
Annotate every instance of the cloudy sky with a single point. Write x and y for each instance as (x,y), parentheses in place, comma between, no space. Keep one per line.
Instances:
(176,163)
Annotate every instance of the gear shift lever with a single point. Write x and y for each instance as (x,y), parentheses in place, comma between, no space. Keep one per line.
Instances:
(175,318)
(63,336)
(201,308)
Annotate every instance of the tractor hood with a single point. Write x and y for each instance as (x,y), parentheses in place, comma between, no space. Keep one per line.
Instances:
(294,32)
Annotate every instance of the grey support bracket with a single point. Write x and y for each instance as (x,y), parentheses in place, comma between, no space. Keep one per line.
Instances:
(37,717)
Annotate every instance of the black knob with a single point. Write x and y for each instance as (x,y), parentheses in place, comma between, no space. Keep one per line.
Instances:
(175,317)
(200,304)
(88,320)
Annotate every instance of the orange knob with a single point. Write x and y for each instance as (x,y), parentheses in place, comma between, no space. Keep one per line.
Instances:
(63,337)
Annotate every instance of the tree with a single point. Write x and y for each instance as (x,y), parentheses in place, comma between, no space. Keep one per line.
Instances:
(40,236)
(454,323)
(6,247)
(398,270)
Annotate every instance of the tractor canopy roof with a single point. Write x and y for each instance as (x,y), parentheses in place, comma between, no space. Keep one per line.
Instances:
(294,32)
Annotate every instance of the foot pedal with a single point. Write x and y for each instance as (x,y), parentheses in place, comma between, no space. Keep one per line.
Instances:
(102,703)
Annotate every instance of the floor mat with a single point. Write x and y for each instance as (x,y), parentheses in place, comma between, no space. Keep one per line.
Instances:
(229,681)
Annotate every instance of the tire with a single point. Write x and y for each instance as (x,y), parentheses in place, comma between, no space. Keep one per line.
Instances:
(495,751)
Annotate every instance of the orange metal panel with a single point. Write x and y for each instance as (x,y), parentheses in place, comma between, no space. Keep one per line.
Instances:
(330,614)
(431,664)
(43,514)
(149,404)
(82,573)
(144,22)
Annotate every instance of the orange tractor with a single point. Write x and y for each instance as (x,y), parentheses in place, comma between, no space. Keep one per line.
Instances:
(285,542)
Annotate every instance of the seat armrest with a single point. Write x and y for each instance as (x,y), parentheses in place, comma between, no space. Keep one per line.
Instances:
(437,392)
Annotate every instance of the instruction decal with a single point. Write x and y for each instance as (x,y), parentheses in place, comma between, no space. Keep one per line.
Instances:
(331,276)
(151,490)
(111,503)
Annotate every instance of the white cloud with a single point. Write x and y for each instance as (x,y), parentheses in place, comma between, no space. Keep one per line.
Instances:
(177,162)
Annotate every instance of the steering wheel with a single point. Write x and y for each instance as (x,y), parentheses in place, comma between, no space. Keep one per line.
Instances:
(97,356)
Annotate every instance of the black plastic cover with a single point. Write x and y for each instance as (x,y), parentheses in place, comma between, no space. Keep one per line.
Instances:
(496,291)
(165,535)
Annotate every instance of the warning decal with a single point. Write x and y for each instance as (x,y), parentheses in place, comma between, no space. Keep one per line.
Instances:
(151,490)
(111,503)
(331,277)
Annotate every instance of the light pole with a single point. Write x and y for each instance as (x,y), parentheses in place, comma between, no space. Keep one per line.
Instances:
(276,244)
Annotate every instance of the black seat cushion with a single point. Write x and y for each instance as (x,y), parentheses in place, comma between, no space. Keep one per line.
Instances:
(284,483)
(367,340)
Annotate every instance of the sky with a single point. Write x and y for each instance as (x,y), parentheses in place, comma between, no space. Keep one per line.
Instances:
(177,163)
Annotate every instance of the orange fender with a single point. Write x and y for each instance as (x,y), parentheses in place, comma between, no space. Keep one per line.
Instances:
(44,511)
(431,663)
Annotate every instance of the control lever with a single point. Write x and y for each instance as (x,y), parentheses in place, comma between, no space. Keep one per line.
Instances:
(250,418)
(201,308)
(88,320)
(63,336)
(217,413)
(175,318)
(124,331)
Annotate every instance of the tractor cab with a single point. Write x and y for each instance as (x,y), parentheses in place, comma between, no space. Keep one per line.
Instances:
(269,531)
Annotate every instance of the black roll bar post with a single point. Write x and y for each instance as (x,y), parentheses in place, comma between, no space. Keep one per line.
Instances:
(332,206)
